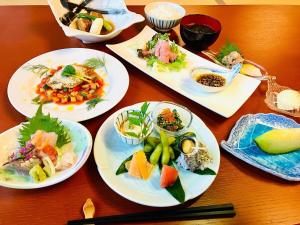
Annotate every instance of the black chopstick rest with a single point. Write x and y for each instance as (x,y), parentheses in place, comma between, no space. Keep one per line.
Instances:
(194,213)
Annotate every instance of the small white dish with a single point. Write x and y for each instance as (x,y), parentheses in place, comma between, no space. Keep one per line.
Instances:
(225,77)
(81,140)
(120,22)
(119,120)
(164,15)
(22,85)
(110,151)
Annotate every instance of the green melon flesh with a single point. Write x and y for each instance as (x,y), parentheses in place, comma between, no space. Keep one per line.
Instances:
(279,141)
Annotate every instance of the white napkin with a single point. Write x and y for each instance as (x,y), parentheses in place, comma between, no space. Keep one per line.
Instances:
(104,4)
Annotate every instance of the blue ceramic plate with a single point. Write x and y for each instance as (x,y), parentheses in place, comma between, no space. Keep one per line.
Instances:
(241,145)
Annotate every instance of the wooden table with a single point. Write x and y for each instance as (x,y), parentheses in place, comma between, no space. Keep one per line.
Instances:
(268,35)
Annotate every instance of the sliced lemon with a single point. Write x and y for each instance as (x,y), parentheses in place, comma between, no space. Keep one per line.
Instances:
(251,70)
(49,167)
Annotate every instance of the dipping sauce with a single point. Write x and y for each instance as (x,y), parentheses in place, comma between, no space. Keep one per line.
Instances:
(200,28)
(164,12)
(211,80)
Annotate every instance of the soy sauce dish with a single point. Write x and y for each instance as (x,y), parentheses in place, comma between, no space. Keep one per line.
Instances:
(208,81)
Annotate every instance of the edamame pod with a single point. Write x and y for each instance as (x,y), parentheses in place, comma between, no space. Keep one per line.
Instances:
(156,154)
(153,141)
(148,147)
(171,140)
(165,146)
(172,155)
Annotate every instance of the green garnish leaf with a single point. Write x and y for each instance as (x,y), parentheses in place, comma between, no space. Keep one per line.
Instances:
(86,16)
(144,108)
(93,102)
(135,113)
(206,171)
(38,69)
(176,190)
(122,168)
(45,123)
(95,62)
(134,121)
(138,118)
(132,134)
(69,70)
(226,50)
(36,100)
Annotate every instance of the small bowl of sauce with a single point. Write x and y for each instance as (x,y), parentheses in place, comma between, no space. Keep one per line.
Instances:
(199,31)
(208,81)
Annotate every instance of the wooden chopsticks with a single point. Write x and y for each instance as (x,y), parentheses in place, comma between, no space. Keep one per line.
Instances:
(193,213)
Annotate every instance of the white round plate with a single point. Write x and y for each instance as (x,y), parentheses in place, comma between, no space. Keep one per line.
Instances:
(110,152)
(22,85)
(81,140)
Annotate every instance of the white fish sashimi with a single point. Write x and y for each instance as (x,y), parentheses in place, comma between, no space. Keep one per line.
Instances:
(40,139)
(67,157)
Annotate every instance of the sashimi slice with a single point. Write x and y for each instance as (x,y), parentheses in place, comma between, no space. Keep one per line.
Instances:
(168,176)
(139,166)
(133,168)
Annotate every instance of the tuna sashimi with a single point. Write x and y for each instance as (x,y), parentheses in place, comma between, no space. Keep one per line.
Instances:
(163,52)
(168,176)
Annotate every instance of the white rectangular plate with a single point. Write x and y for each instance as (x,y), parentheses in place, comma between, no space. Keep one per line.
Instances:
(225,103)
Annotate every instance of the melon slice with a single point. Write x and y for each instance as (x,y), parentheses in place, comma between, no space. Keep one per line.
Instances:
(139,166)
(168,176)
(279,141)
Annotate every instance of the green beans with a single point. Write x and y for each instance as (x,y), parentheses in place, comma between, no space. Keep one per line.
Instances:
(165,146)
(156,154)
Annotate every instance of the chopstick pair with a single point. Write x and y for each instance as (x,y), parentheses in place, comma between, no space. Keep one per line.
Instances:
(194,213)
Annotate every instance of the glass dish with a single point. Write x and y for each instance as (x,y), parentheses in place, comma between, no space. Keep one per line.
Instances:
(185,115)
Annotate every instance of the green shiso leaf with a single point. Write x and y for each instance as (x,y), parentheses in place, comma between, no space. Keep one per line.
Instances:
(206,171)
(122,168)
(45,123)
(227,49)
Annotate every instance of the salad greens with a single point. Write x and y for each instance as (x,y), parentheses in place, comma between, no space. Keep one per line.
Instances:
(153,59)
